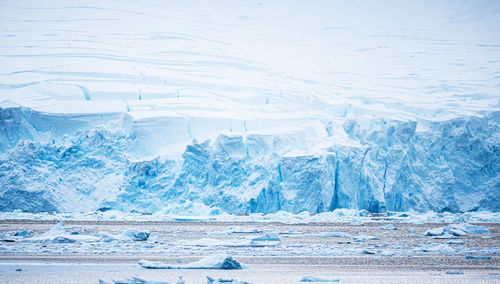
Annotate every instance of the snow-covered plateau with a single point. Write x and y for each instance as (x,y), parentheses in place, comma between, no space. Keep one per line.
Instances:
(205,107)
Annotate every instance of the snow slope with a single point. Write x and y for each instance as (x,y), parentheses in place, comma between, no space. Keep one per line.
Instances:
(250,106)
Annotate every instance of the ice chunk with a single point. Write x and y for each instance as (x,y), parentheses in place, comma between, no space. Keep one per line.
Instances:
(241,230)
(473,229)
(317,279)
(441,248)
(157,265)
(454,272)
(132,280)
(271,237)
(127,235)
(23,233)
(435,232)
(205,242)
(459,230)
(446,235)
(456,242)
(456,232)
(180,280)
(135,235)
(215,261)
(58,235)
(329,235)
(477,257)
(364,238)
(334,235)
(388,227)
(211,280)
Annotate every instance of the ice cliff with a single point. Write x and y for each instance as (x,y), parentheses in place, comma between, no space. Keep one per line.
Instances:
(453,165)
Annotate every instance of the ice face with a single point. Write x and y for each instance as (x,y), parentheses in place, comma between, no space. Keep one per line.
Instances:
(383,165)
(249,107)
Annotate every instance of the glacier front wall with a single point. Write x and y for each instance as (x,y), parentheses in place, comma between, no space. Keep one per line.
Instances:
(452,165)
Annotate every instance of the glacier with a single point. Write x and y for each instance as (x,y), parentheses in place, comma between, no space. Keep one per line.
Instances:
(250,107)
(384,165)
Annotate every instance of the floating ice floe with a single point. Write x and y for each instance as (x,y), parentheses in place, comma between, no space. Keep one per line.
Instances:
(23,233)
(365,238)
(388,227)
(473,229)
(435,232)
(206,242)
(127,235)
(59,235)
(369,251)
(211,280)
(243,230)
(477,257)
(132,280)
(268,237)
(215,261)
(458,230)
(454,272)
(432,248)
(317,279)
(328,235)
(446,235)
